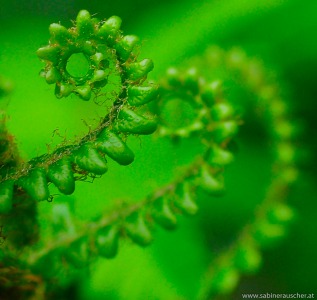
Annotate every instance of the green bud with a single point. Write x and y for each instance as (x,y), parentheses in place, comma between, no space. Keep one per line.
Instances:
(210,182)
(63,90)
(266,233)
(88,159)
(52,75)
(211,92)
(285,153)
(109,143)
(137,229)
(110,29)
(50,53)
(99,75)
(125,46)
(138,70)
(289,174)
(247,258)
(183,132)
(84,92)
(130,122)
(278,108)
(225,130)
(225,280)
(107,241)
(85,27)
(97,57)
(196,126)
(163,214)
(284,129)
(184,200)
(61,174)
(280,214)
(35,184)
(222,111)
(60,34)
(219,156)
(191,80)
(139,95)
(88,48)
(173,77)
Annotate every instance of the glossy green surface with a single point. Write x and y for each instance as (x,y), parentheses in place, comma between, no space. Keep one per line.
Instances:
(282,33)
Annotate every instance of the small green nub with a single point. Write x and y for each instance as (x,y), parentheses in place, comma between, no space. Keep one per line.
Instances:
(78,253)
(289,174)
(126,46)
(211,92)
(225,280)
(280,214)
(89,159)
(61,174)
(284,129)
(137,229)
(138,70)
(109,143)
(50,53)
(285,152)
(84,92)
(35,184)
(173,77)
(110,29)
(267,233)
(60,34)
(278,108)
(130,122)
(219,156)
(184,200)
(225,130)
(6,195)
(221,111)
(85,26)
(209,182)
(52,75)
(191,80)
(99,75)
(97,57)
(63,90)
(107,241)
(88,48)
(163,214)
(139,95)
(247,258)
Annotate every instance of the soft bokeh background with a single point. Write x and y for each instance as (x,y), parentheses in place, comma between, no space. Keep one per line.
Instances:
(281,33)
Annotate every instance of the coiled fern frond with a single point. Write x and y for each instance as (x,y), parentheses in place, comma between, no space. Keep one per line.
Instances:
(186,103)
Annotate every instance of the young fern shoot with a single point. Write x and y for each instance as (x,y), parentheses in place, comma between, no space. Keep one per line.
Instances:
(112,60)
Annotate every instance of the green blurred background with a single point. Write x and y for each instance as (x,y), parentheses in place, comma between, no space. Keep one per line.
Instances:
(281,33)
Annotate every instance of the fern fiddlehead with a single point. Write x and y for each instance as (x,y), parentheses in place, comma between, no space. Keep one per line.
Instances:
(215,123)
(101,238)
(272,217)
(107,52)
